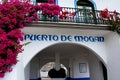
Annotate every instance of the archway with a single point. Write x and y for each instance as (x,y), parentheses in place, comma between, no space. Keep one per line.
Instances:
(46,68)
(80,61)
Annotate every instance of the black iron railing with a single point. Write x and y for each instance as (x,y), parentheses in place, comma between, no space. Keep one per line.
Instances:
(75,15)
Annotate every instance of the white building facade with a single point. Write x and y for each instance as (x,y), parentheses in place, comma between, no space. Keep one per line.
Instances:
(88,51)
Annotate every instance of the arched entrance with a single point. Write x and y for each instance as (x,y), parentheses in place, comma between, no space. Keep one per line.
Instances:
(81,62)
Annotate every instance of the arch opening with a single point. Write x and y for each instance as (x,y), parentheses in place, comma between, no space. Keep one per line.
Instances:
(44,71)
(71,56)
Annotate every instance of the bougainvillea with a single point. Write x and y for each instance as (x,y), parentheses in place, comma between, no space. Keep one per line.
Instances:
(72,14)
(113,18)
(66,14)
(14,16)
(50,10)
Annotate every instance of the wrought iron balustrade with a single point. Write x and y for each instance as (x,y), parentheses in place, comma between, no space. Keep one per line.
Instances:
(75,15)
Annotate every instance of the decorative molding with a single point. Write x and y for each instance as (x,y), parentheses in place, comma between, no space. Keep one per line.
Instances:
(47,24)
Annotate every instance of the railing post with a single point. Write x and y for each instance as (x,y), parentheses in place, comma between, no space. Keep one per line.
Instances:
(94,16)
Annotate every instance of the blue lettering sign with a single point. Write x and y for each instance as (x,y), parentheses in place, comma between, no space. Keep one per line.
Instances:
(86,38)
(55,38)
(76,38)
(91,38)
(66,38)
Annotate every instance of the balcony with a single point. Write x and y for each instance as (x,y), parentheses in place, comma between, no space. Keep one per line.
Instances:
(74,17)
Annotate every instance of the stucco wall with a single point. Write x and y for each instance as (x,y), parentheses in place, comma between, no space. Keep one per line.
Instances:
(113,47)
(97,47)
(95,68)
(35,46)
(107,51)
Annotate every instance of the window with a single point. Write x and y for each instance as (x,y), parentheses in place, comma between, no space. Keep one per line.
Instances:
(85,3)
(41,1)
(83,67)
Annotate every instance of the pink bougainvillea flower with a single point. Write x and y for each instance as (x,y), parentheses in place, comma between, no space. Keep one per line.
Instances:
(2,75)
(15,34)
(14,21)
(3,35)
(115,12)
(61,16)
(50,9)
(105,14)
(6,20)
(56,12)
(13,17)
(1,62)
(1,22)
(73,14)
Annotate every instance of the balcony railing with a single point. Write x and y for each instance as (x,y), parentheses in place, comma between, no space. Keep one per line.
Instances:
(75,15)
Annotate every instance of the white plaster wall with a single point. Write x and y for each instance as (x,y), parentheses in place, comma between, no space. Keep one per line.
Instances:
(35,46)
(95,68)
(34,69)
(27,72)
(66,3)
(113,47)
